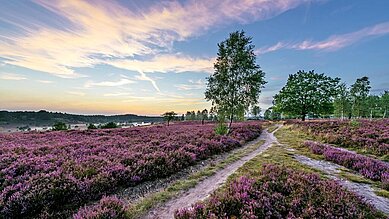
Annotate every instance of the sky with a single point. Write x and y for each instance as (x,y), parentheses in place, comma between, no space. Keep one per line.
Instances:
(147,57)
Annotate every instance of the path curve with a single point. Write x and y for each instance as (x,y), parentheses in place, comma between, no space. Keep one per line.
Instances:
(204,188)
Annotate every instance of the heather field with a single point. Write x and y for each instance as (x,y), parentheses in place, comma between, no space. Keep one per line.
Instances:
(280,192)
(42,174)
(365,136)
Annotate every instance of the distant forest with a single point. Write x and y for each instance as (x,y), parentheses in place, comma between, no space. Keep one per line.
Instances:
(44,117)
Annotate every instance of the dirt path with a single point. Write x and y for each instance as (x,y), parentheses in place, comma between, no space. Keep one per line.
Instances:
(361,189)
(210,184)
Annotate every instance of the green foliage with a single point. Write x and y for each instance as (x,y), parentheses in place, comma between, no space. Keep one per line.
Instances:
(110,125)
(272,114)
(92,126)
(168,116)
(359,92)
(237,81)
(354,123)
(221,129)
(342,102)
(256,111)
(307,92)
(59,126)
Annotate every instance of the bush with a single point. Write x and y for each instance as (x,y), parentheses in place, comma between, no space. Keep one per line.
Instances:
(221,129)
(59,126)
(92,126)
(110,125)
(107,208)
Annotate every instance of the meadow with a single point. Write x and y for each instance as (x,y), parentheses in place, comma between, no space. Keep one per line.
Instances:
(50,174)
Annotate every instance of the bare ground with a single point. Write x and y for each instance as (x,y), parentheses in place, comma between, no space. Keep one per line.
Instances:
(203,189)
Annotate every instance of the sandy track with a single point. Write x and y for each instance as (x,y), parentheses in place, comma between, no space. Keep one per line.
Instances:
(210,184)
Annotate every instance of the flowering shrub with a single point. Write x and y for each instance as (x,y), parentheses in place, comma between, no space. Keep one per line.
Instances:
(370,168)
(372,136)
(43,172)
(108,207)
(280,192)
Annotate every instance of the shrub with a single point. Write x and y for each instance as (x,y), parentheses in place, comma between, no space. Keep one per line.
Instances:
(108,208)
(92,126)
(110,125)
(59,126)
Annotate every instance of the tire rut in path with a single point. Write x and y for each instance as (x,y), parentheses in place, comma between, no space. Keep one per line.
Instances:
(204,188)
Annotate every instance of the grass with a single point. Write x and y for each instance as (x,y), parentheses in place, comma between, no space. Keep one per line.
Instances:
(382,192)
(144,205)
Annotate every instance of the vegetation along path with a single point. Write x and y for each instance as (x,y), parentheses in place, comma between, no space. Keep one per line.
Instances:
(210,184)
(364,190)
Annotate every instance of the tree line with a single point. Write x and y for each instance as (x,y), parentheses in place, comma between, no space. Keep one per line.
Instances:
(320,96)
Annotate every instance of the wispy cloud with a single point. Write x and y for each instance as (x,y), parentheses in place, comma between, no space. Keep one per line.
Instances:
(44,81)
(122,81)
(93,32)
(334,42)
(193,85)
(117,94)
(76,93)
(12,76)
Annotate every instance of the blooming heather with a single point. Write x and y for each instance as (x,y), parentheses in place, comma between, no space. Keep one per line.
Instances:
(108,207)
(47,172)
(369,167)
(372,136)
(279,192)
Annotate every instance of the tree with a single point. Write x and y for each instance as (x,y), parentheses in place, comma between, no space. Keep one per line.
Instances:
(109,125)
(372,103)
(272,114)
(168,116)
(204,115)
(307,92)
(359,92)
(384,103)
(256,111)
(237,81)
(59,126)
(342,102)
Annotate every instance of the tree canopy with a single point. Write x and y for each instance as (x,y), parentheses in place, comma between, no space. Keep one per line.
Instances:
(168,116)
(307,92)
(237,81)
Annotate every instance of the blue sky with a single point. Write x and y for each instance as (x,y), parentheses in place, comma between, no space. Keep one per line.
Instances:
(147,57)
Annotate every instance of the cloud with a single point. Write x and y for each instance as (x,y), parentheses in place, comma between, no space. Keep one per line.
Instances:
(12,76)
(193,85)
(118,94)
(44,81)
(166,63)
(332,43)
(92,32)
(123,81)
(76,93)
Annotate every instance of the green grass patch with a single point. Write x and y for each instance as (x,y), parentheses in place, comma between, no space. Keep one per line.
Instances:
(145,204)
(382,192)
(354,178)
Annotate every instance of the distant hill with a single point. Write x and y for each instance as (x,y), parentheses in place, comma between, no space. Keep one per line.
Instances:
(44,117)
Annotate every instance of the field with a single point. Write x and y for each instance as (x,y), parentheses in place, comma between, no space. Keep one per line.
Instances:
(50,174)
(364,136)
(276,184)
(78,173)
